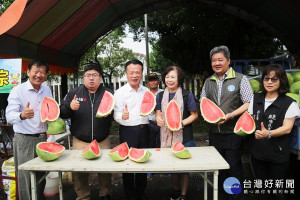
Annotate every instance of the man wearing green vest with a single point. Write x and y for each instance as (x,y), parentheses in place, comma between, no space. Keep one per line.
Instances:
(231,91)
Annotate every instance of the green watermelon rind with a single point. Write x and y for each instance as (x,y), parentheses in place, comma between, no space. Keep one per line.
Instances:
(99,114)
(115,155)
(221,118)
(144,158)
(90,155)
(46,120)
(183,154)
(56,127)
(180,117)
(241,131)
(151,110)
(46,155)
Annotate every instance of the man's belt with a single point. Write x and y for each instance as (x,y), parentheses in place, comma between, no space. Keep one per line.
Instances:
(138,126)
(35,135)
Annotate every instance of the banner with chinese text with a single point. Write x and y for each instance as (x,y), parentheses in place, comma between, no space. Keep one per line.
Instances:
(10,74)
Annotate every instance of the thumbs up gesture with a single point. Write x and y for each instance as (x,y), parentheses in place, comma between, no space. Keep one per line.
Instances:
(160,118)
(27,112)
(125,114)
(74,103)
(263,133)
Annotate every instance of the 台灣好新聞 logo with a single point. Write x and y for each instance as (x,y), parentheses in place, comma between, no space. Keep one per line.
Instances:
(232,185)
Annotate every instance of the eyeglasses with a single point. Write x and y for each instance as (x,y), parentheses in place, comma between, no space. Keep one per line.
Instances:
(274,80)
(91,75)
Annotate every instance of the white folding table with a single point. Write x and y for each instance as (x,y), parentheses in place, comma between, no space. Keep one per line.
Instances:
(204,159)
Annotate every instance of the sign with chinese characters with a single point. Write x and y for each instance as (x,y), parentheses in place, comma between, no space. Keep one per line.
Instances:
(10,74)
(269,186)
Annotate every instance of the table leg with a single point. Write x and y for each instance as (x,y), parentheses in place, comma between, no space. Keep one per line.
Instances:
(216,173)
(69,141)
(33,185)
(205,186)
(61,196)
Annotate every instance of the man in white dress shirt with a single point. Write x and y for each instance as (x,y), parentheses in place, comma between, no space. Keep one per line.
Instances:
(134,128)
(23,111)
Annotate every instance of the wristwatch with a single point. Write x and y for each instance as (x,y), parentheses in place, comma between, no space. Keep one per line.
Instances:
(182,125)
(269,136)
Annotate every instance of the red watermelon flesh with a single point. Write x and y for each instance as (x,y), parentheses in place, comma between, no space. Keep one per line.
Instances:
(51,147)
(148,103)
(49,110)
(210,111)
(139,155)
(173,116)
(178,146)
(106,105)
(120,152)
(92,151)
(245,125)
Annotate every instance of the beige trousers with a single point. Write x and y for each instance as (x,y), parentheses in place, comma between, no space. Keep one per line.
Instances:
(81,179)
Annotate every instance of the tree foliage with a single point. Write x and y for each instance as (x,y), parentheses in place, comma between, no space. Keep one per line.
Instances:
(4,4)
(109,55)
(187,34)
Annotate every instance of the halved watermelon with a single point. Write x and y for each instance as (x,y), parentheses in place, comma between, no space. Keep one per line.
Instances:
(173,116)
(107,104)
(148,103)
(56,127)
(92,151)
(210,111)
(49,110)
(180,151)
(245,125)
(139,155)
(49,151)
(120,152)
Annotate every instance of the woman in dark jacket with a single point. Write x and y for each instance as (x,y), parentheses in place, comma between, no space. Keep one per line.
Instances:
(274,114)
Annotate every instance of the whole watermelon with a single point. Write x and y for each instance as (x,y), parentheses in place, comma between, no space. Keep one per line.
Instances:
(296,76)
(294,96)
(295,87)
(254,85)
(290,78)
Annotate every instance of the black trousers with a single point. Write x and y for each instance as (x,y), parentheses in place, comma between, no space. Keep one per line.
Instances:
(135,184)
(154,135)
(269,171)
(230,146)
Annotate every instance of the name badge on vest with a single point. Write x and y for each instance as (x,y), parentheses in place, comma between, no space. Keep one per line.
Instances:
(231,88)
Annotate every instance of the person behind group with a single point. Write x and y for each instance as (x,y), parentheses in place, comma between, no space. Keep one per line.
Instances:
(274,114)
(133,128)
(23,111)
(232,92)
(81,105)
(153,83)
(173,78)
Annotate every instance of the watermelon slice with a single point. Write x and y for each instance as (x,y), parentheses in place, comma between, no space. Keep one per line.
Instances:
(120,152)
(245,125)
(210,111)
(107,104)
(49,110)
(148,103)
(49,151)
(92,151)
(139,155)
(180,151)
(173,116)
